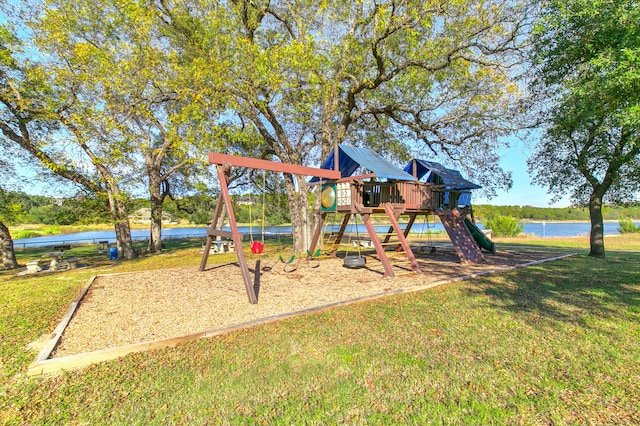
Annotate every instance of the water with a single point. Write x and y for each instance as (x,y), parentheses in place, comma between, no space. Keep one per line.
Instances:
(547,229)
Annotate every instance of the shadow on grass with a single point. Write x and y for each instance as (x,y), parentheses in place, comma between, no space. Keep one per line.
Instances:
(573,290)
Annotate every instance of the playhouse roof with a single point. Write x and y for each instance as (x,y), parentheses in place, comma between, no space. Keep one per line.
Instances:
(451,178)
(351,157)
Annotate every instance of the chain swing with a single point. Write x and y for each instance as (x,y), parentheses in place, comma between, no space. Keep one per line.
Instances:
(258,246)
(352,261)
(429,248)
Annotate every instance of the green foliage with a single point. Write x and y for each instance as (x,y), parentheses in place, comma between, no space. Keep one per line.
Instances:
(503,226)
(80,210)
(610,212)
(27,233)
(627,226)
(276,209)
(585,60)
(11,207)
(586,63)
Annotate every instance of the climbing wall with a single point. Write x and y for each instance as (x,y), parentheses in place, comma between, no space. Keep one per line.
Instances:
(466,247)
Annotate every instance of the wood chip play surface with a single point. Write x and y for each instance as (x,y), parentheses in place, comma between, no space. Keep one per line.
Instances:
(144,306)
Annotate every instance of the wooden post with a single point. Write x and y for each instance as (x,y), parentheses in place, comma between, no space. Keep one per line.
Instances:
(316,234)
(388,272)
(340,234)
(237,239)
(403,241)
(212,227)
(412,219)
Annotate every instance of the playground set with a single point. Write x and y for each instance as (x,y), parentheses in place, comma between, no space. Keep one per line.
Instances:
(422,188)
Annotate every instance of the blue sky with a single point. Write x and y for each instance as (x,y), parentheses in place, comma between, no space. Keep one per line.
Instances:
(513,159)
(522,193)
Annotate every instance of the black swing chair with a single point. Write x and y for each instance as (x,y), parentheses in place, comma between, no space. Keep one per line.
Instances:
(428,247)
(353,261)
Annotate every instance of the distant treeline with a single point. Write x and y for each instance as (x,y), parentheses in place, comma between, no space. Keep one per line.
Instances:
(84,210)
(20,208)
(484,211)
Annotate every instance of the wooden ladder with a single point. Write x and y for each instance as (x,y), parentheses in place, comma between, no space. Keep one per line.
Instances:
(466,247)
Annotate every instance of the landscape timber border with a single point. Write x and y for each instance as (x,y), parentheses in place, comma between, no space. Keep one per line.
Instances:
(45,366)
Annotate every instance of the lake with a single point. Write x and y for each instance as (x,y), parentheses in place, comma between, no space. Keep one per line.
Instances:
(546,229)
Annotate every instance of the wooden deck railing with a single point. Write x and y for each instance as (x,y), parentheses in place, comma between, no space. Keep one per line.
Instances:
(408,195)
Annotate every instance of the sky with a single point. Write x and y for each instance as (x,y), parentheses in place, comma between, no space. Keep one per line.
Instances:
(522,192)
(513,159)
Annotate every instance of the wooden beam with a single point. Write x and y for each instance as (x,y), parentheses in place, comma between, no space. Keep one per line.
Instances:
(255,163)
(359,177)
(317,232)
(242,261)
(214,222)
(224,234)
(340,235)
(388,272)
(393,217)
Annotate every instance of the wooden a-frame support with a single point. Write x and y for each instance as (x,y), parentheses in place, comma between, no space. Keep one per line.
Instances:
(223,163)
(393,215)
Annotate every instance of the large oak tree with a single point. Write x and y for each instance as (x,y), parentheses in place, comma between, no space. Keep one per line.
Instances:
(434,77)
(151,120)
(40,117)
(586,56)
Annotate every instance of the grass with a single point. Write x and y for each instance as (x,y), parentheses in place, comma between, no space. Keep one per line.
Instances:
(553,343)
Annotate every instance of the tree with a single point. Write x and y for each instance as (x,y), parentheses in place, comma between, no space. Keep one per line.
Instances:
(394,75)
(132,82)
(586,56)
(41,117)
(8,212)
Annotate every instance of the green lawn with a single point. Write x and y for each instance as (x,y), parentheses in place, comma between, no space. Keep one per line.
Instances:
(554,343)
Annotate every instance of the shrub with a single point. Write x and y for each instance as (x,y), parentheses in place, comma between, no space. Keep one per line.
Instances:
(627,226)
(503,226)
(27,233)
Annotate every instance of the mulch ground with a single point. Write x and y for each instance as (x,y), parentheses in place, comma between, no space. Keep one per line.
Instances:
(144,306)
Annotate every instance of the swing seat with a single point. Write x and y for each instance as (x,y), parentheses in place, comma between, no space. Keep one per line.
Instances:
(427,249)
(287,261)
(313,258)
(315,254)
(354,262)
(257,247)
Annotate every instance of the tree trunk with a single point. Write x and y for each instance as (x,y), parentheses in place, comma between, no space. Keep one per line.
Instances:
(155,233)
(597,231)
(299,210)
(121,224)
(123,236)
(6,246)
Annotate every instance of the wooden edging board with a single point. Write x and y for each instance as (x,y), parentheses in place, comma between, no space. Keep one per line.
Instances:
(43,365)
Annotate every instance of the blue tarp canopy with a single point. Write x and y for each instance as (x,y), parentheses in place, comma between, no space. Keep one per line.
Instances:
(452,179)
(351,158)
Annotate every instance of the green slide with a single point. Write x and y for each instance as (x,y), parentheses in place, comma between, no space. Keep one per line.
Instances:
(479,236)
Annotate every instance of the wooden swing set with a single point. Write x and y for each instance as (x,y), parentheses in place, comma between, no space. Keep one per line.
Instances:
(364,195)
(223,163)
